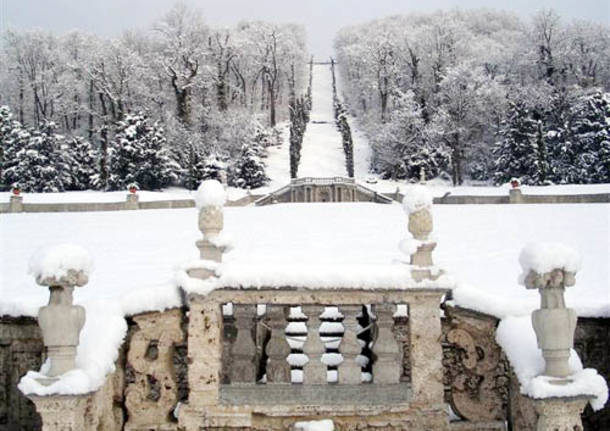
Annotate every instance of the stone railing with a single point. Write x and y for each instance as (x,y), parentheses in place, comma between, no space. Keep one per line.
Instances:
(355,376)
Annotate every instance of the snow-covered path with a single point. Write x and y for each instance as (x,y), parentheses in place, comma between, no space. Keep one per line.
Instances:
(322,152)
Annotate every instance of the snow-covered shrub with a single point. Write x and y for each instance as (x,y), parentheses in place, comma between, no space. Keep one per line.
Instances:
(248,172)
(139,154)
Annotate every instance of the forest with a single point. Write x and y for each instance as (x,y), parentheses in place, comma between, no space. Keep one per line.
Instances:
(481,95)
(172,104)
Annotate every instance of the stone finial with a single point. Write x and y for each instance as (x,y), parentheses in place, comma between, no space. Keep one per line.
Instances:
(61,268)
(551,268)
(210,199)
(417,203)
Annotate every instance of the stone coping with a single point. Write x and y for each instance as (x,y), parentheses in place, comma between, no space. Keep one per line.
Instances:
(299,296)
(278,399)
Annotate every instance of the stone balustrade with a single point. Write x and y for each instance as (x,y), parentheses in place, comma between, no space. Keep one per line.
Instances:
(330,379)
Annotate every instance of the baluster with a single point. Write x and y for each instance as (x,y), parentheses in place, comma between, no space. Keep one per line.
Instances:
(314,371)
(387,366)
(243,352)
(278,349)
(349,370)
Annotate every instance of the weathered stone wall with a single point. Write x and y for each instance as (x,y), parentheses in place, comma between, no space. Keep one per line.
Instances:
(21,350)
(479,384)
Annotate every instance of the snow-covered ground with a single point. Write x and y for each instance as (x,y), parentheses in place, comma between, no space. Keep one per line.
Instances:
(136,252)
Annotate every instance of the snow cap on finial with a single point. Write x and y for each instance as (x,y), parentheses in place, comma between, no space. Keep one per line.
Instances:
(61,265)
(416,198)
(210,194)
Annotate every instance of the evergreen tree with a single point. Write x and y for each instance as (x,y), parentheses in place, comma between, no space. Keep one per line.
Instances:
(38,163)
(7,143)
(249,171)
(517,153)
(80,158)
(589,134)
(138,154)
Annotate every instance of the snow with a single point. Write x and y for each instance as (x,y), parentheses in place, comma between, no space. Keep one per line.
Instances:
(55,261)
(319,425)
(543,257)
(417,198)
(322,151)
(210,193)
(138,253)
(517,338)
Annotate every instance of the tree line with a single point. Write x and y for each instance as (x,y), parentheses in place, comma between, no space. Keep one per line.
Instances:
(481,95)
(206,99)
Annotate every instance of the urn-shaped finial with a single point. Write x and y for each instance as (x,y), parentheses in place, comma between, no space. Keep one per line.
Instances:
(550,268)
(61,268)
(210,199)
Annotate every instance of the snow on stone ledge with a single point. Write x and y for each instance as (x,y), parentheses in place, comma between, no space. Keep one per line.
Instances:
(542,257)
(417,198)
(210,194)
(321,425)
(307,276)
(56,261)
(517,338)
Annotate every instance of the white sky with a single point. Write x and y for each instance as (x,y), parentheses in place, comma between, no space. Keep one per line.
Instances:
(322,18)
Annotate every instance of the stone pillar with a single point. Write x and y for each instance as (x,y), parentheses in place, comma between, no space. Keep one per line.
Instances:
(560,414)
(553,323)
(61,322)
(314,371)
(132,201)
(515,196)
(243,352)
(278,349)
(89,412)
(156,332)
(425,349)
(15,204)
(204,352)
(387,366)
(349,370)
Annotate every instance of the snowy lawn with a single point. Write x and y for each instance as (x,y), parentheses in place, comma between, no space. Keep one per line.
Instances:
(136,253)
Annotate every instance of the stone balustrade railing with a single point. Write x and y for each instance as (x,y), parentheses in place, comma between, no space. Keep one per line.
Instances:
(355,373)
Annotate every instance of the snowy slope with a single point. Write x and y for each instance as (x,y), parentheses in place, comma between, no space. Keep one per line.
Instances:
(322,152)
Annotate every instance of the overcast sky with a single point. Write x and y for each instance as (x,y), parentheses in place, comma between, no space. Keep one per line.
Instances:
(321,18)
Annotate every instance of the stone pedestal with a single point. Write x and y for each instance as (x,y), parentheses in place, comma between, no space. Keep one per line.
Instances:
(515,196)
(560,414)
(15,204)
(132,201)
(89,412)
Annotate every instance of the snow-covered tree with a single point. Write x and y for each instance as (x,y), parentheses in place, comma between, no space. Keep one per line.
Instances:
(139,154)
(249,171)
(403,148)
(80,158)
(38,163)
(517,152)
(580,147)
(13,137)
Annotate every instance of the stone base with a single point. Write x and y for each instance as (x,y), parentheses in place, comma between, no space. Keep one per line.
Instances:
(477,426)
(361,418)
(89,412)
(560,414)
